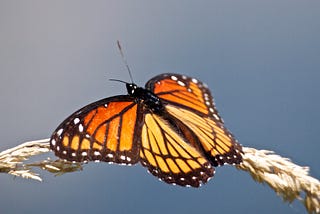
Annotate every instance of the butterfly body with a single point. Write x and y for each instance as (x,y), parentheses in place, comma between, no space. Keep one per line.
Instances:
(150,101)
(171,127)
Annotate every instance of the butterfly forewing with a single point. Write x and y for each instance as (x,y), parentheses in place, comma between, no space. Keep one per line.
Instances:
(190,101)
(184,91)
(103,131)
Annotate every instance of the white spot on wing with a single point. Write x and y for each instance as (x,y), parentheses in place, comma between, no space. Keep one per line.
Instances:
(84,153)
(181,83)
(80,128)
(59,132)
(96,153)
(174,78)
(110,155)
(76,120)
(53,142)
(194,80)
(216,116)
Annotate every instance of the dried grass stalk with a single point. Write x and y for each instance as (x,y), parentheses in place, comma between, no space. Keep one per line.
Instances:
(287,179)
(12,161)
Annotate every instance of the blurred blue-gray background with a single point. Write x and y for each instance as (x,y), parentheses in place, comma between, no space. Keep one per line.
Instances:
(261,60)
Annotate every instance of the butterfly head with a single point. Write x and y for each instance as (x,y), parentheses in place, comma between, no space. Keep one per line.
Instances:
(131,88)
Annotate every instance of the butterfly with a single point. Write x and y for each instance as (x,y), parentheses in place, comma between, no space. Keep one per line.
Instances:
(171,127)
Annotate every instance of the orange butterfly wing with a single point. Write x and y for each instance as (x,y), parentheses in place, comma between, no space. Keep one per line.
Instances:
(190,101)
(169,157)
(184,91)
(107,130)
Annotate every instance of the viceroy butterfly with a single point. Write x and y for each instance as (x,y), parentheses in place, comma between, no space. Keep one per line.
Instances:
(171,127)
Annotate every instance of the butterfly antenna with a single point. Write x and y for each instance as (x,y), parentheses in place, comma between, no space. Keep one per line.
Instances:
(116,80)
(124,60)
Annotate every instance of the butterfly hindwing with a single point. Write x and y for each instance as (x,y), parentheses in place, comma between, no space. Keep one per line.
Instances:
(102,131)
(166,154)
(190,101)
(216,141)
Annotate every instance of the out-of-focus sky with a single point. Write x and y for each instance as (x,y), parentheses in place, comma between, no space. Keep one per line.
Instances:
(261,59)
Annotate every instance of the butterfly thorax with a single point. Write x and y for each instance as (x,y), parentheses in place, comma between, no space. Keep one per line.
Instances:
(146,97)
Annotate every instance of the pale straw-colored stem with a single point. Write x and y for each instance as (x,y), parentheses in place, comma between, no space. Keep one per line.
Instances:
(287,179)
(12,161)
